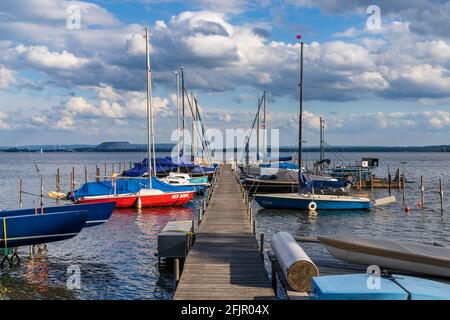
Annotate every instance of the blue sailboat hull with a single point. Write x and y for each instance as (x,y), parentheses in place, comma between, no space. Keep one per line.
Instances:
(274,202)
(98,213)
(40,228)
(364,287)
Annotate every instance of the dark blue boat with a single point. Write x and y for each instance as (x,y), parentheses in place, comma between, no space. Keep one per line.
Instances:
(98,213)
(17,231)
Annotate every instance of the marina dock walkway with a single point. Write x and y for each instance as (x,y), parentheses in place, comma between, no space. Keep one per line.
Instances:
(224,263)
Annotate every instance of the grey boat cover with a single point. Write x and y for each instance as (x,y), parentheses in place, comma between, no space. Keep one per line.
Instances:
(418,253)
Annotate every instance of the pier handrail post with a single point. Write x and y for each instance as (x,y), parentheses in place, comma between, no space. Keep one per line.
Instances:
(254,226)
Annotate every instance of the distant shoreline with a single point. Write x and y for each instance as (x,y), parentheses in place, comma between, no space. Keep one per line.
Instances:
(166,148)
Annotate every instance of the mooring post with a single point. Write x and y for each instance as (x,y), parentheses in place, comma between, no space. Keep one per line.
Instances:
(399,179)
(389,180)
(58,183)
(74,184)
(254,226)
(371,181)
(71,181)
(42,195)
(176,266)
(106,173)
(85,175)
(97,173)
(441,195)
(360,179)
(21,194)
(422,191)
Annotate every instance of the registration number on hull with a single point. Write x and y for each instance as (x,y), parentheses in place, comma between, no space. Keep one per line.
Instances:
(180,196)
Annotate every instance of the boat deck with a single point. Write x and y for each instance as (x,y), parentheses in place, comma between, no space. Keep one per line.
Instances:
(225,263)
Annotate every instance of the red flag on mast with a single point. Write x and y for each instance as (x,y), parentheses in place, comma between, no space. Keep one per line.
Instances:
(299,36)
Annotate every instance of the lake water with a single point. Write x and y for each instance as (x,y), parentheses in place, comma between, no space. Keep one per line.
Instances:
(117,260)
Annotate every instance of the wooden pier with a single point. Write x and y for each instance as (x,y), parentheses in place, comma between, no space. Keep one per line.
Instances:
(225,262)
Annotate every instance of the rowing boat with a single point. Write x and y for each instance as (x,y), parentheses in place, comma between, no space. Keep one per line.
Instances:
(416,258)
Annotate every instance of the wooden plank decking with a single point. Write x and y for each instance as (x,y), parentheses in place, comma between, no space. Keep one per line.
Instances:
(225,262)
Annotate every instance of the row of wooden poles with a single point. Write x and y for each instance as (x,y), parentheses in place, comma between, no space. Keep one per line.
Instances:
(202,212)
(122,166)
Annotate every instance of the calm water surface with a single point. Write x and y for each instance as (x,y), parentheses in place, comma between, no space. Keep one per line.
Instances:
(117,260)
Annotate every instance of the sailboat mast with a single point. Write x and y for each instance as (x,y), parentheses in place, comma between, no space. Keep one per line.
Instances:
(178,119)
(265,126)
(183,108)
(258,130)
(300,117)
(149,98)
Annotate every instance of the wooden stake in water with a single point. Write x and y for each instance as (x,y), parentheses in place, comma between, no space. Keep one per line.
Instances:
(105,175)
(58,183)
(441,195)
(74,184)
(97,173)
(422,191)
(85,175)
(360,179)
(21,194)
(389,180)
(42,195)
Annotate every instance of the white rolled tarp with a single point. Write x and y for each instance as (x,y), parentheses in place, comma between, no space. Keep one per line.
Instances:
(295,264)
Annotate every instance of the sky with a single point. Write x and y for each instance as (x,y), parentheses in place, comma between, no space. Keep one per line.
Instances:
(73,72)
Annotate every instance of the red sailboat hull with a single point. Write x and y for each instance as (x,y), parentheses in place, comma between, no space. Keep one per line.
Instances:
(168,199)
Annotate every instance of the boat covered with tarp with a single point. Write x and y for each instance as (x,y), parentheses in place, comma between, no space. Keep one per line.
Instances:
(165,165)
(123,186)
(397,255)
(383,287)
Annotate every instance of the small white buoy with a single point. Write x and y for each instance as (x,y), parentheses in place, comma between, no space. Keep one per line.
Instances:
(312,206)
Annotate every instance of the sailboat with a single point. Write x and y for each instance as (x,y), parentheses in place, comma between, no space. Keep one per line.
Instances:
(279,175)
(306,199)
(145,195)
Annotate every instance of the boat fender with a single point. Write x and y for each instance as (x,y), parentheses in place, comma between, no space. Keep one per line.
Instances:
(312,206)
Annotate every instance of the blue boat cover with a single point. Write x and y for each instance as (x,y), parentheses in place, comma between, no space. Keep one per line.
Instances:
(281,165)
(361,287)
(165,165)
(132,185)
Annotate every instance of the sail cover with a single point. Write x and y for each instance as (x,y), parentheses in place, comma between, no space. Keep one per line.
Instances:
(165,165)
